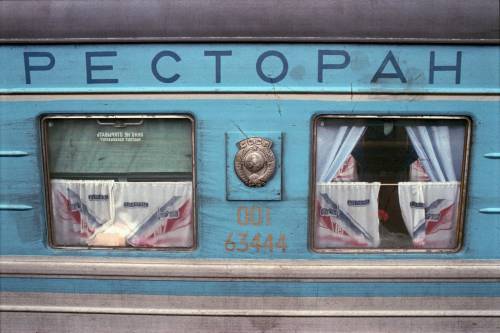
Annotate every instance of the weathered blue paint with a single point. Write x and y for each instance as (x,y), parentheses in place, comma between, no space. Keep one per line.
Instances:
(346,68)
(236,189)
(24,232)
(453,69)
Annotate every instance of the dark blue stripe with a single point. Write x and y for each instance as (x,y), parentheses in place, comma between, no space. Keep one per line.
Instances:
(251,288)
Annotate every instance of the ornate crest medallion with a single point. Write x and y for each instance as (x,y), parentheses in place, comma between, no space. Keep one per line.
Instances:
(255,162)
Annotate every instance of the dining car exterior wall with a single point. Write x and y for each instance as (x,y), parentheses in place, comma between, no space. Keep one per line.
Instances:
(253,264)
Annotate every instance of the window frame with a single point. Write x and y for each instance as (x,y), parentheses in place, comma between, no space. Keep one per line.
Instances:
(462,192)
(43,120)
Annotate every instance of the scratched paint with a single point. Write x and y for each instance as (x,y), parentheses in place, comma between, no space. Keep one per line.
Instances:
(24,232)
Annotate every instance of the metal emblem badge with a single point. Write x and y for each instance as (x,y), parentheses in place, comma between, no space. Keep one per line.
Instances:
(255,161)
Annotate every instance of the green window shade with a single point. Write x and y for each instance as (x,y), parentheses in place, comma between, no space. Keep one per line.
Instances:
(119,146)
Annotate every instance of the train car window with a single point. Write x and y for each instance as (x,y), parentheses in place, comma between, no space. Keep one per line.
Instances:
(388,183)
(124,182)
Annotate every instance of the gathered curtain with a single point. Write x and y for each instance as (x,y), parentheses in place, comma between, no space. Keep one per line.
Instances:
(439,148)
(335,144)
(347,213)
(430,212)
(430,209)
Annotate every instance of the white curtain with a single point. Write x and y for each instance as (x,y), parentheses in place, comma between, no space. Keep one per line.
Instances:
(335,144)
(153,214)
(347,215)
(440,150)
(430,212)
(80,208)
(146,214)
